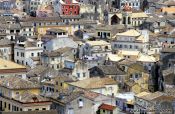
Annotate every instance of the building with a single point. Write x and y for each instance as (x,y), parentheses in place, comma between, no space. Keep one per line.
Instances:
(128,17)
(97,48)
(18,94)
(108,31)
(28,52)
(60,58)
(107,109)
(132,3)
(9,68)
(80,101)
(131,40)
(6,49)
(69,7)
(153,102)
(105,86)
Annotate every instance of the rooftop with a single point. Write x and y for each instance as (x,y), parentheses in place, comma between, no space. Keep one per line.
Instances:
(107,107)
(97,43)
(132,32)
(5,64)
(27,97)
(93,83)
(17,83)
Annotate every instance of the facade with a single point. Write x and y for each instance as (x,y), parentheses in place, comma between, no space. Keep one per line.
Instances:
(6,47)
(69,7)
(104,86)
(131,40)
(26,51)
(21,95)
(97,48)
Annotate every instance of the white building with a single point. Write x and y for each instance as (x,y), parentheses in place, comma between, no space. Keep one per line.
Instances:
(97,48)
(131,40)
(57,38)
(26,52)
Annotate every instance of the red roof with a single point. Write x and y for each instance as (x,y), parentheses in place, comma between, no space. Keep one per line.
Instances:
(107,107)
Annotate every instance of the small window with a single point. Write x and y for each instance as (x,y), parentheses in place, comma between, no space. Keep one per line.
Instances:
(43,108)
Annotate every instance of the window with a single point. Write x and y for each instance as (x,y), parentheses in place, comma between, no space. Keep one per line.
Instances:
(80,103)
(43,108)
(17,93)
(109,34)
(84,74)
(78,75)
(56,83)
(36,109)
(61,84)
(9,106)
(32,54)
(29,109)
(5,104)
(98,33)
(17,53)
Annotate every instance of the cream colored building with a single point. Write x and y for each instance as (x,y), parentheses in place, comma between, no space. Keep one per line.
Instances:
(105,86)
(21,95)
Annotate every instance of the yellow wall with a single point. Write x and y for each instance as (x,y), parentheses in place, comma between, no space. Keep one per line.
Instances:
(41,30)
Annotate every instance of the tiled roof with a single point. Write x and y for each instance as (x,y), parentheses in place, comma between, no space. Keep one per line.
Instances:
(5,64)
(93,83)
(27,97)
(4,42)
(107,107)
(17,83)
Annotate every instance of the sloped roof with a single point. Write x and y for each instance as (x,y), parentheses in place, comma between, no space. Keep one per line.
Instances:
(27,97)
(92,83)
(5,64)
(107,107)
(17,83)
(131,32)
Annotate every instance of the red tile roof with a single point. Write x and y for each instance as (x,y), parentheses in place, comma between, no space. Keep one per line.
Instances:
(107,107)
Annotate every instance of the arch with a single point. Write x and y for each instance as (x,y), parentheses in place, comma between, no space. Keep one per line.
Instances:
(114,20)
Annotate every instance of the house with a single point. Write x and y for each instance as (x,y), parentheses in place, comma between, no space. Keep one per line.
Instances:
(56,39)
(81,70)
(60,58)
(155,23)
(108,31)
(6,49)
(98,48)
(9,68)
(128,17)
(105,86)
(132,3)
(131,40)
(110,71)
(39,73)
(7,4)
(153,102)
(28,51)
(55,85)
(21,95)
(80,101)
(107,109)
(68,7)
(82,24)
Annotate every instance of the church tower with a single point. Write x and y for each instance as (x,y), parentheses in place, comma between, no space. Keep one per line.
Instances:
(127,15)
